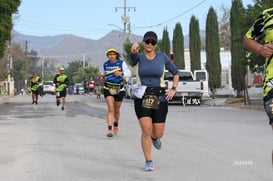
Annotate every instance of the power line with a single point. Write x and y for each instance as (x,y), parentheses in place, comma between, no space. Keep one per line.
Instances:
(53,28)
(66,55)
(165,22)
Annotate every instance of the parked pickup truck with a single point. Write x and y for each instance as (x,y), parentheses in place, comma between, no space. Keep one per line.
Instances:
(191,87)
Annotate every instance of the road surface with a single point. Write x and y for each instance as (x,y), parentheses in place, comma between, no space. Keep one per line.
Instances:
(201,143)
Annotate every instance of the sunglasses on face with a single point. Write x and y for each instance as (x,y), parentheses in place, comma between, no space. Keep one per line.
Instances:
(111,54)
(153,42)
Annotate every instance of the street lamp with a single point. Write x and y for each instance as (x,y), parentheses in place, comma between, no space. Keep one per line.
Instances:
(119,28)
(115,26)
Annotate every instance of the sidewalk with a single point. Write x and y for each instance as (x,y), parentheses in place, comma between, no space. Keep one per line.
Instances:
(4,98)
(214,102)
(256,104)
(14,98)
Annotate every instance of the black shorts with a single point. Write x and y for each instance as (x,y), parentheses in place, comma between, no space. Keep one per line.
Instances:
(62,93)
(265,99)
(117,97)
(158,115)
(36,92)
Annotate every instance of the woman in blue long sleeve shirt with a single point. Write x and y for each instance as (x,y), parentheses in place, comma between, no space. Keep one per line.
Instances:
(151,107)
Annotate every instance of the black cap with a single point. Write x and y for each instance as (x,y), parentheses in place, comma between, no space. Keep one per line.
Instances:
(150,35)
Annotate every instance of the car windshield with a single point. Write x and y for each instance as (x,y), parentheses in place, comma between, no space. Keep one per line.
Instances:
(183,76)
(200,76)
(79,86)
(48,83)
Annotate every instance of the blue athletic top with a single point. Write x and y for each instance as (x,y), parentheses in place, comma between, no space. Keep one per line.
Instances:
(151,72)
(110,68)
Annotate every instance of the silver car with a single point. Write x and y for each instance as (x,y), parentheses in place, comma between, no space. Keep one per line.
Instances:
(79,89)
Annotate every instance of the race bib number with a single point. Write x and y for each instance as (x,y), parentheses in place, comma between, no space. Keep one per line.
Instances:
(151,102)
(113,90)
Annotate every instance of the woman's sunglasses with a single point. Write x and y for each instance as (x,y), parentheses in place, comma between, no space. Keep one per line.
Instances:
(153,42)
(111,54)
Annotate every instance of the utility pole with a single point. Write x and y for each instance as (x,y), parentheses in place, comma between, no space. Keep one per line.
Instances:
(83,60)
(10,82)
(126,19)
(43,67)
(25,46)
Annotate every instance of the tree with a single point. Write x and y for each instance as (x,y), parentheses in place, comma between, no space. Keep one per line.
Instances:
(195,44)
(178,46)
(77,73)
(7,8)
(127,51)
(84,74)
(165,43)
(72,69)
(33,60)
(213,64)
(238,59)
(49,68)
(4,66)
(15,63)
(224,29)
(19,67)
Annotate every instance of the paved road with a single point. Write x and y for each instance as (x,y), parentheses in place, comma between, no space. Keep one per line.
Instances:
(201,143)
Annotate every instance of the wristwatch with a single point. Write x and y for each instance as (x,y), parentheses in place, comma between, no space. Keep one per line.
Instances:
(173,88)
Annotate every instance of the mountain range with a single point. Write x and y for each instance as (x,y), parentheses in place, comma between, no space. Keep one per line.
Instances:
(67,48)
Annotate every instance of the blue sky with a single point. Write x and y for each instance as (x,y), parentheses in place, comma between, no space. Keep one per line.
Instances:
(94,19)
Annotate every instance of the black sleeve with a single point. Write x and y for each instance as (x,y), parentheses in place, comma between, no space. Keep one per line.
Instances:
(67,81)
(55,79)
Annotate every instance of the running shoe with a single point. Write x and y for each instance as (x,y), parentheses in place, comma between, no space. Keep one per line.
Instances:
(149,165)
(109,134)
(116,129)
(156,143)
(62,108)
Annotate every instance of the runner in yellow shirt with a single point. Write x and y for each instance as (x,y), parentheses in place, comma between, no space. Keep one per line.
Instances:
(61,81)
(35,80)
